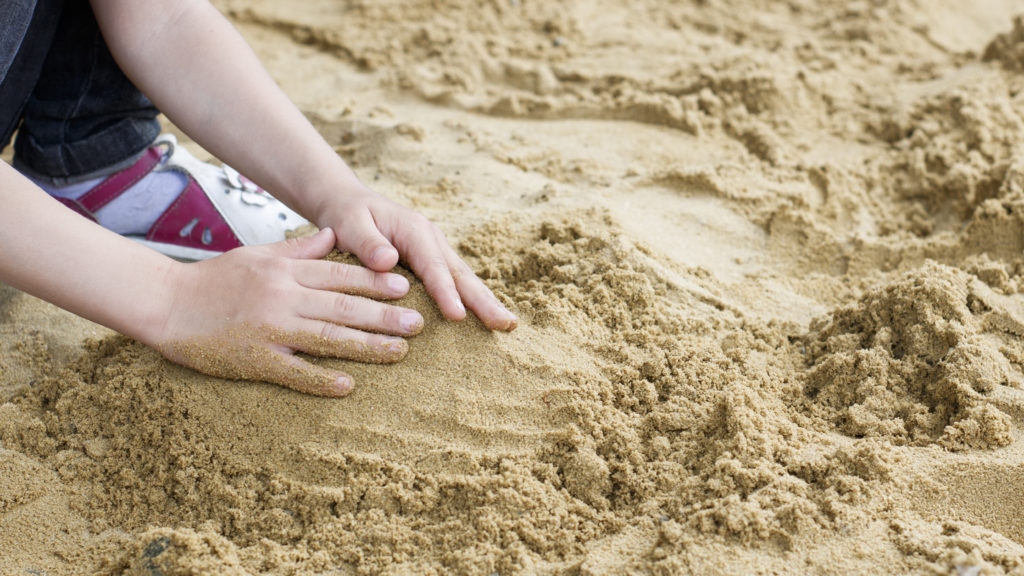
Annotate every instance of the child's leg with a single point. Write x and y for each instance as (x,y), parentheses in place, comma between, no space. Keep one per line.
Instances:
(84,117)
(26,33)
(84,137)
(85,120)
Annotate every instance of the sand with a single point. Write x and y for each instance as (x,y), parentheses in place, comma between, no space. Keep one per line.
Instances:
(768,259)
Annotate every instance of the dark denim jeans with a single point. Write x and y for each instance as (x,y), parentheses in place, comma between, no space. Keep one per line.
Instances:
(79,114)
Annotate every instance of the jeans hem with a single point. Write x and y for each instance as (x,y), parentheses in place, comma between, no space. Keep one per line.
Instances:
(88,159)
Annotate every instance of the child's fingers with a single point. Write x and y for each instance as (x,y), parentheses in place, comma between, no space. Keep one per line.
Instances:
(421,247)
(349,279)
(478,296)
(299,375)
(363,238)
(361,313)
(329,340)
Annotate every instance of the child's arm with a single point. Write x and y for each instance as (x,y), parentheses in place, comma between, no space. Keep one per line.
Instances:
(240,315)
(200,72)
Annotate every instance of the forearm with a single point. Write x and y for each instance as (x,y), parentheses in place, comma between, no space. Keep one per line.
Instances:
(59,256)
(200,72)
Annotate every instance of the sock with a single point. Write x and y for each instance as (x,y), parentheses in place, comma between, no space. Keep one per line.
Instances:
(136,210)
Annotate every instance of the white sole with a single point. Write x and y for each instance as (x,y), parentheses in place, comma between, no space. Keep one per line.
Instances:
(177,252)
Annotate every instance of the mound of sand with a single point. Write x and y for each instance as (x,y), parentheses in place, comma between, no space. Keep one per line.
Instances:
(909,362)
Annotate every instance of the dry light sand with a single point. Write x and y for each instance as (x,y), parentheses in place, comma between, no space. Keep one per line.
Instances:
(769,261)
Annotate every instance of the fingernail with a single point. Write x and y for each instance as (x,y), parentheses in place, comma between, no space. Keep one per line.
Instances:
(460,306)
(379,254)
(397,283)
(511,321)
(394,349)
(411,321)
(342,385)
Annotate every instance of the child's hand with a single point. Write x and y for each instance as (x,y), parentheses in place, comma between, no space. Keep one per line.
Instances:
(379,231)
(244,314)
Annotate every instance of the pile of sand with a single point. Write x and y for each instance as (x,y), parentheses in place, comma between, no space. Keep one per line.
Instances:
(768,262)
(910,362)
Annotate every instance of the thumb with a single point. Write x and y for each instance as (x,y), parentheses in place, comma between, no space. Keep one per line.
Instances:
(306,247)
(363,238)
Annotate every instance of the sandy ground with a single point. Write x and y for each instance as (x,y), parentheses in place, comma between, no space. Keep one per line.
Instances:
(768,261)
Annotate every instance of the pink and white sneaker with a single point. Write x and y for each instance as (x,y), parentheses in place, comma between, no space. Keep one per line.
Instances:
(218,210)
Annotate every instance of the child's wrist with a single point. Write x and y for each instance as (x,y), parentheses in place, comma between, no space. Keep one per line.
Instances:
(161,295)
(324,189)
(334,201)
